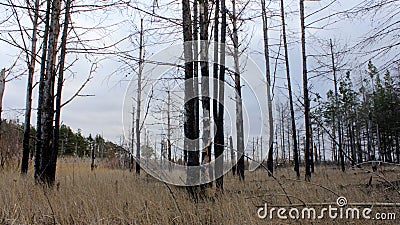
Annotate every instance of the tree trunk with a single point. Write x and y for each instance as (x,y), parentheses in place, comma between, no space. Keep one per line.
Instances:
(312,150)
(169,150)
(270,160)
(232,156)
(238,98)
(323,146)
(215,67)
(221,97)
(305,92)
(341,155)
(28,101)
(139,100)
(2,88)
(60,82)
(133,140)
(196,73)
(38,144)
(189,121)
(46,171)
(205,83)
(92,155)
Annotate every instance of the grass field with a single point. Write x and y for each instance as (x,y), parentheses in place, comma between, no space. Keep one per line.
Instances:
(106,196)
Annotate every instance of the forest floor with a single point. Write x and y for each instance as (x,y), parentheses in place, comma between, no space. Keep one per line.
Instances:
(110,196)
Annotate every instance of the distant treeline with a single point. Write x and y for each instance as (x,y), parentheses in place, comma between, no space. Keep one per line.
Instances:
(71,143)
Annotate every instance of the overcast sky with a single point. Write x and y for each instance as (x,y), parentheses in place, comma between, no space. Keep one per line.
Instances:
(103,112)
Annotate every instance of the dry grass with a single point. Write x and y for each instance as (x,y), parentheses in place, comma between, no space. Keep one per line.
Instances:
(108,196)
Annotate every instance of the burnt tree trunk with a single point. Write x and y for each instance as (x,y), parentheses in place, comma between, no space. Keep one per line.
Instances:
(47,175)
(305,93)
(139,100)
(189,121)
(38,144)
(60,83)
(28,101)
(341,154)
(232,156)
(221,97)
(270,160)
(215,69)
(205,83)
(196,75)
(2,88)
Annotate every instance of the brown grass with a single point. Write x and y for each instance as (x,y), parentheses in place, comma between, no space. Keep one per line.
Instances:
(108,196)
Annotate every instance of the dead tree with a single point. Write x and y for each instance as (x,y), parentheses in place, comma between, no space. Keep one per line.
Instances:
(232,156)
(38,144)
(341,155)
(305,93)
(28,102)
(92,155)
(139,99)
(189,120)
(60,84)
(132,140)
(205,81)
(292,118)
(195,75)
(238,97)
(270,160)
(219,150)
(46,174)
(2,88)
(215,68)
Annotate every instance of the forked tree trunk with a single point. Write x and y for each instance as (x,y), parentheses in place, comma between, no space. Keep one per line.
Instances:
(60,83)
(38,144)
(46,164)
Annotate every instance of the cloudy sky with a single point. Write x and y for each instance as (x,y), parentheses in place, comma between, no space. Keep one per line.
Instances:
(103,112)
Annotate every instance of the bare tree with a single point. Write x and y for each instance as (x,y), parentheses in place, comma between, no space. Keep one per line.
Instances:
(305,93)
(60,83)
(132,140)
(205,81)
(292,118)
(189,123)
(238,97)
(47,112)
(219,150)
(232,156)
(270,161)
(139,100)
(38,144)
(2,88)
(28,102)
(341,155)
